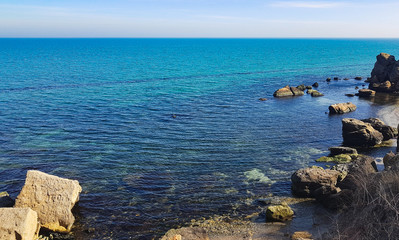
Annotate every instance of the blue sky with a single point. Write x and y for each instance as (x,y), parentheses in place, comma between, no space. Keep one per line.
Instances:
(199,18)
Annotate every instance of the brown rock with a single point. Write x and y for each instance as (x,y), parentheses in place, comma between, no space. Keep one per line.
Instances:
(359,133)
(186,233)
(296,91)
(52,198)
(301,236)
(387,131)
(18,224)
(279,213)
(366,93)
(342,150)
(284,92)
(341,108)
(306,180)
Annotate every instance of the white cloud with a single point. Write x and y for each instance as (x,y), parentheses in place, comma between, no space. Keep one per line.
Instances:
(305,4)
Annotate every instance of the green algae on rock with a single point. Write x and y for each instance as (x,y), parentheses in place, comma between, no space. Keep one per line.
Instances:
(279,213)
(341,158)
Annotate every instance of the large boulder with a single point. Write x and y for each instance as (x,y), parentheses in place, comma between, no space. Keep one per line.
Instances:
(51,197)
(306,180)
(356,171)
(341,108)
(385,69)
(279,213)
(288,91)
(18,224)
(358,133)
(387,131)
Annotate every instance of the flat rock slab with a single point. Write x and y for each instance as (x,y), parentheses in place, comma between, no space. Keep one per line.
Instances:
(52,198)
(18,223)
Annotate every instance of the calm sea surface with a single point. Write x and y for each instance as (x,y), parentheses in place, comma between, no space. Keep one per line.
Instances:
(100,111)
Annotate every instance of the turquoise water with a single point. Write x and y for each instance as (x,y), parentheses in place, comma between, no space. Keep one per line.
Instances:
(100,111)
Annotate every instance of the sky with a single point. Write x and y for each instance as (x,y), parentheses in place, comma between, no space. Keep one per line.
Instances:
(200,18)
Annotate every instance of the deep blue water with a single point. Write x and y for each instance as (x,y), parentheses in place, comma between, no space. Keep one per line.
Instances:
(100,111)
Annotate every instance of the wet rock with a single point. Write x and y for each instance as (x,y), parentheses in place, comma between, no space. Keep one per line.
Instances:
(52,198)
(301,236)
(316,94)
(262,99)
(341,158)
(342,150)
(387,131)
(296,91)
(366,93)
(341,108)
(358,133)
(356,87)
(279,213)
(306,180)
(301,87)
(6,200)
(18,224)
(328,79)
(336,78)
(186,233)
(358,78)
(308,87)
(316,85)
(283,92)
(350,95)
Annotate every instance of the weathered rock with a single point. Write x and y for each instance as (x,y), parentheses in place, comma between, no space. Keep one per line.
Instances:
(186,233)
(342,150)
(357,169)
(279,213)
(381,87)
(387,131)
(334,198)
(306,180)
(52,198)
(341,108)
(310,91)
(296,91)
(359,133)
(316,85)
(284,92)
(18,224)
(301,236)
(316,94)
(301,87)
(341,158)
(5,200)
(366,93)
(385,69)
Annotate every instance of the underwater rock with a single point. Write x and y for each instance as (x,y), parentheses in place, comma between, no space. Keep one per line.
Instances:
(279,213)
(18,224)
(52,198)
(341,108)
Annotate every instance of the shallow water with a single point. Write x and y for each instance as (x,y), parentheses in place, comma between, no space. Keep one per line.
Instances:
(101,111)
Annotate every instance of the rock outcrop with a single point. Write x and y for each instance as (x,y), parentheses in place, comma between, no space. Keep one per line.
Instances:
(288,91)
(358,133)
(341,108)
(385,74)
(18,224)
(51,197)
(306,180)
(279,213)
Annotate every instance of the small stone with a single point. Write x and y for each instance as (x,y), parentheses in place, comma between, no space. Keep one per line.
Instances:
(262,99)
(279,213)
(328,79)
(358,78)
(350,95)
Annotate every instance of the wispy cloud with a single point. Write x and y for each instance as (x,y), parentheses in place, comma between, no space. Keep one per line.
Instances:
(305,4)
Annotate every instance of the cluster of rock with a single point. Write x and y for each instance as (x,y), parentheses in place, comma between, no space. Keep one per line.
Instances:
(44,201)
(288,91)
(366,132)
(385,74)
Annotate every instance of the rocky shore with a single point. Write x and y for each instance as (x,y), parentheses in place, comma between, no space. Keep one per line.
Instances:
(341,188)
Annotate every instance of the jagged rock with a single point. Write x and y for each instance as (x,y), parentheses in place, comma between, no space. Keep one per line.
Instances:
(306,180)
(341,108)
(359,133)
(359,167)
(385,69)
(279,213)
(18,224)
(366,93)
(381,87)
(296,91)
(51,197)
(186,233)
(387,131)
(283,92)
(316,85)
(342,150)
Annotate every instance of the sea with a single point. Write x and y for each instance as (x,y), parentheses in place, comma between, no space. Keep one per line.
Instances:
(162,131)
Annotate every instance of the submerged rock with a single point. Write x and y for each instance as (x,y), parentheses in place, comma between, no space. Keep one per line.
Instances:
(358,133)
(342,150)
(341,108)
(316,94)
(262,99)
(52,198)
(386,69)
(350,95)
(306,180)
(279,213)
(18,224)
